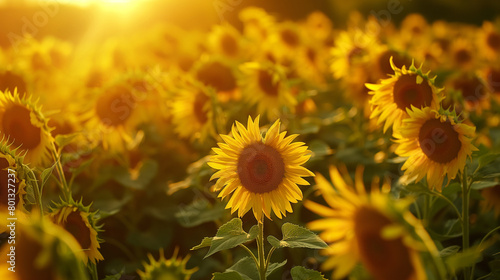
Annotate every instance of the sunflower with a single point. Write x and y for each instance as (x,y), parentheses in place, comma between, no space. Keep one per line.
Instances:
(393,96)
(256,23)
(319,26)
(22,122)
(352,48)
(173,268)
(219,75)
(225,39)
(77,219)
(265,85)
(192,112)
(43,251)
(471,91)
(436,144)
(462,54)
(488,41)
(357,226)
(260,173)
(113,120)
(491,200)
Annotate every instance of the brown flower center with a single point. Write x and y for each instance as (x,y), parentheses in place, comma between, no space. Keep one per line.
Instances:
(439,141)
(218,76)
(471,88)
(115,106)
(10,81)
(462,56)
(407,92)
(199,102)
(493,41)
(77,227)
(267,84)
(290,38)
(384,259)
(16,124)
(229,45)
(260,168)
(493,79)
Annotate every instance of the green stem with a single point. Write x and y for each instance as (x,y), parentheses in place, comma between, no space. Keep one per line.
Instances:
(465,219)
(60,172)
(262,258)
(459,215)
(269,256)
(37,192)
(251,254)
(481,243)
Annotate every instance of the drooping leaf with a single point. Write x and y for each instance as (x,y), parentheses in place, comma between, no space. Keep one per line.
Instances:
(448,251)
(232,275)
(483,185)
(246,268)
(206,242)
(231,235)
(274,266)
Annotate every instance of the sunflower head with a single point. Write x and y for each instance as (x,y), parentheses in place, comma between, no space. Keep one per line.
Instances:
(220,76)
(22,122)
(365,227)
(260,173)
(405,89)
(43,251)
(77,219)
(163,269)
(436,144)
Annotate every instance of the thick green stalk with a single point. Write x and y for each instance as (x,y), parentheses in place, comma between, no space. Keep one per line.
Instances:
(465,218)
(262,257)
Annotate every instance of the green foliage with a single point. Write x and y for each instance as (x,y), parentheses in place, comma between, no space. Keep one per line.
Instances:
(302,273)
(295,236)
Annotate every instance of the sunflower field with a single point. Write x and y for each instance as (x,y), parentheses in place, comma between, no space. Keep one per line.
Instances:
(249,140)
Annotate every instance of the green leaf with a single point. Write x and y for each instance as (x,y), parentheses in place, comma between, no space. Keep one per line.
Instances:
(302,273)
(448,251)
(198,212)
(64,140)
(295,236)
(273,267)
(206,242)
(485,159)
(231,235)
(227,276)
(46,174)
(464,259)
(319,149)
(147,172)
(483,185)
(246,268)
(114,277)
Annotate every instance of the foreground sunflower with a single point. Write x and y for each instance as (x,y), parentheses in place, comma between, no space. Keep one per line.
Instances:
(81,223)
(357,227)
(436,144)
(173,268)
(13,173)
(43,251)
(22,123)
(260,173)
(393,96)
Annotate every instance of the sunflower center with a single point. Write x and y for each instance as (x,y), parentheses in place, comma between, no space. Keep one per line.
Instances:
(493,78)
(439,141)
(408,92)
(471,88)
(463,56)
(199,102)
(267,84)
(260,168)
(384,259)
(77,227)
(16,124)
(290,38)
(229,45)
(115,106)
(218,76)
(493,41)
